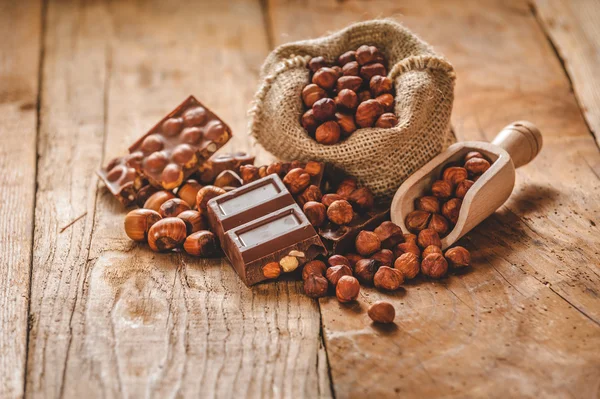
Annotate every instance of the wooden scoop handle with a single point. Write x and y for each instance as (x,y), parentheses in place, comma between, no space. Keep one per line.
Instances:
(522,140)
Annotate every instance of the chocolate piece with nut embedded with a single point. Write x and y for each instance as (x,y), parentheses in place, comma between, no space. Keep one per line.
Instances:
(260,223)
(122,180)
(340,239)
(219,163)
(177,145)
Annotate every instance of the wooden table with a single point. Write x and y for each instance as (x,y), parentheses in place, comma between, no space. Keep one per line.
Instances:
(85,312)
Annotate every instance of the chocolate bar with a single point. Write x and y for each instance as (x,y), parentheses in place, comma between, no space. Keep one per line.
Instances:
(177,145)
(260,223)
(122,180)
(340,239)
(219,163)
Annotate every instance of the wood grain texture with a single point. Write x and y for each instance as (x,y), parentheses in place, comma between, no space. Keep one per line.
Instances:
(20,24)
(525,321)
(111,318)
(574,29)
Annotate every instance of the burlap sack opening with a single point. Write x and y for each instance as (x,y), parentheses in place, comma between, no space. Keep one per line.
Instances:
(379,158)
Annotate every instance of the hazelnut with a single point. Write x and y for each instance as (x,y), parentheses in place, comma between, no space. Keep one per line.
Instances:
(289,263)
(441,189)
(138,223)
(311,94)
(451,209)
(315,286)
(380,85)
(188,192)
(389,234)
(316,63)
(336,260)
(458,257)
(368,54)
(364,96)
(275,168)
(417,220)
(157,199)
(334,273)
(411,238)
(193,221)
(315,213)
(353,258)
(386,121)
(367,72)
(367,243)
(340,212)
(382,312)
(388,278)
(473,154)
(329,199)
(166,234)
(313,168)
(145,192)
(228,178)
(362,199)
(349,82)
(408,264)
(434,266)
(384,257)
(368,112)
(312,193)
(439,224)
(432,249)
(347,57)
(407,247)
(346,187)
(346,122)
(351,69)
(201,243)
(347,289)
(365,270)
(325,77)
(477,166)
(328,133)
(387,101)
(428,237)
(296,180)
(309,122)
(346,99)
(462,188)
(271,270)
(205,194)
(262,172)
(248,173)
(313,267)
(428,204)
(173,207)
(337,70)
(324,109)
(454,175)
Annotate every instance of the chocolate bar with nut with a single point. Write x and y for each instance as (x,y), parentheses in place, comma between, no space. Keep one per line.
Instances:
(177,145)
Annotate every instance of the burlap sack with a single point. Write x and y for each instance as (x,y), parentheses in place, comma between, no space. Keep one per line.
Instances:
(379,158)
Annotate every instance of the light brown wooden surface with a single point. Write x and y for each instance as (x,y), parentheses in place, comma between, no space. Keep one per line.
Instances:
(524,321)
(20,24)
(574,29)
(107,318)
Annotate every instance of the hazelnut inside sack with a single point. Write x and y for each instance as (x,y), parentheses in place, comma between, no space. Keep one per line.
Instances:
(380,157)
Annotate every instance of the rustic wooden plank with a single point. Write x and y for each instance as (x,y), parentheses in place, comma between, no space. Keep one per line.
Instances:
(20,26)
(572,26)
(112,318)
(524,322)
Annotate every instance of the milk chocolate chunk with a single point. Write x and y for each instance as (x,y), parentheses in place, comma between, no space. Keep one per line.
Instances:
(219,163)
(177,145)
(260,223)
(122,180)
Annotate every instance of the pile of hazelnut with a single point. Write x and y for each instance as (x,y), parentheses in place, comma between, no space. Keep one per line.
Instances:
(355,93)
(439,211)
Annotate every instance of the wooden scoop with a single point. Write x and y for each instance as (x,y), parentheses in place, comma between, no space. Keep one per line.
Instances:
(516,145)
